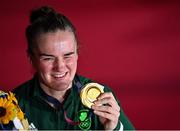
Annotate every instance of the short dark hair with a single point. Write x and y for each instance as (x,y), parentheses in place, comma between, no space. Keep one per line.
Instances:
(43,20)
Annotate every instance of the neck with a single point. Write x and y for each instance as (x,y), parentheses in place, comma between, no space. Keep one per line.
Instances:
(59,95)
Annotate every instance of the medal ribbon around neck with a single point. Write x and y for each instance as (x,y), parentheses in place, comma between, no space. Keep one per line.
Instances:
(88,95)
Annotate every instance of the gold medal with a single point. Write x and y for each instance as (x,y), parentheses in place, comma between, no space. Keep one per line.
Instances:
(90,92)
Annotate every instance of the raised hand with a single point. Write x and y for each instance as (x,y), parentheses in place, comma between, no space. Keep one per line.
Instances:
(108,110)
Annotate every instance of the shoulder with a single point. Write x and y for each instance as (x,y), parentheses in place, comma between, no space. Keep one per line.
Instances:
(82,79)
(24,89)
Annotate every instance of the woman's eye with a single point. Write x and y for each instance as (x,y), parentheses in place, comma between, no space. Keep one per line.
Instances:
(47,59)
(67,57)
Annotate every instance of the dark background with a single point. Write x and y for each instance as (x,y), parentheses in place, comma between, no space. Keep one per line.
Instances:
(133,46)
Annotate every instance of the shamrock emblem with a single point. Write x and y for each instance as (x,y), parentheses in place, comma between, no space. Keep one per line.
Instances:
(85,121)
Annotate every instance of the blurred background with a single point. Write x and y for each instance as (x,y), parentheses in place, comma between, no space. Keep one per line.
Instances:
(133,46)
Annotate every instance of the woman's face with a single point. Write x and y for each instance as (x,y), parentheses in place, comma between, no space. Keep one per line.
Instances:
(55,59)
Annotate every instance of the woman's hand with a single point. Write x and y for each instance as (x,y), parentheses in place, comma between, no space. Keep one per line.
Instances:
(108,110)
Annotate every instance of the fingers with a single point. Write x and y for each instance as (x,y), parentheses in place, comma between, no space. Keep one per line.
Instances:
(107,94)
(107,107)
(106,115)
(106,112)
(107,99)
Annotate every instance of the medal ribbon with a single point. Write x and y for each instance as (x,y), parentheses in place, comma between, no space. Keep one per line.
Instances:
(57,104)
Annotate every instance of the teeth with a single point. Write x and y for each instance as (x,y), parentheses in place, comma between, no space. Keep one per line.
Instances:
(60,75)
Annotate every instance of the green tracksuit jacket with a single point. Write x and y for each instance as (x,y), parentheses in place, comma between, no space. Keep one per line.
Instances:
(43,116)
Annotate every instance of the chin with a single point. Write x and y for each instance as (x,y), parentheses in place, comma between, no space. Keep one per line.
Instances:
(61,86)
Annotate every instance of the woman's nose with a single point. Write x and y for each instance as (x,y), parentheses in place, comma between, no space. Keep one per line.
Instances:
(59,64)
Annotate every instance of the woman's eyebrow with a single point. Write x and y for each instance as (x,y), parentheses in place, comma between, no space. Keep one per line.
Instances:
(43,54)
(70,53)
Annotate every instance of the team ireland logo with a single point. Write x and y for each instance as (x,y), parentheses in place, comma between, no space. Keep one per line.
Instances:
(85,119)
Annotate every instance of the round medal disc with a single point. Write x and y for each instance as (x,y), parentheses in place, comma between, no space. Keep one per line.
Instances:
(90,92)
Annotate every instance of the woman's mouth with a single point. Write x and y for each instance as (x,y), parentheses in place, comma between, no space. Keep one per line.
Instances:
(60,75)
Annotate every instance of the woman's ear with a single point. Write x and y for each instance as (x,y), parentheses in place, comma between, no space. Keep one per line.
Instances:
(32,61)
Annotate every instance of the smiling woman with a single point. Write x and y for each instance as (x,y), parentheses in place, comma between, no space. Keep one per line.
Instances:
(131,46)
(52,98)
(55,60)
